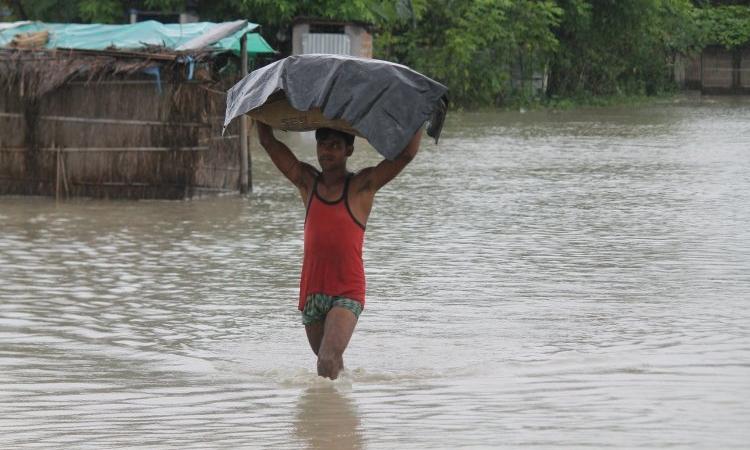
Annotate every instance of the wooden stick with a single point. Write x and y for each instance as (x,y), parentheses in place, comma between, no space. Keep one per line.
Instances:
(212,90)
(57,177)
(244,152)
(219,138)
(250,156)
(110,149)
(129,149)
(112,121)
(64,176)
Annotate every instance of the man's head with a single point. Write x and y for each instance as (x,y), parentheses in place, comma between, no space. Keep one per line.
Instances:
(334,147)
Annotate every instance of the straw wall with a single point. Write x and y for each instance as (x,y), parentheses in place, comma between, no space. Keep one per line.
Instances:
(726,71)
(717,68)
(745,69)
(118,137)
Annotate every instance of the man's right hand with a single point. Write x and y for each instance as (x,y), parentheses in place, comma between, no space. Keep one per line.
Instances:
(265,134)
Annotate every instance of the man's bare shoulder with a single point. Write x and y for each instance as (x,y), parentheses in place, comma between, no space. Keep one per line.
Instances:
(309,168)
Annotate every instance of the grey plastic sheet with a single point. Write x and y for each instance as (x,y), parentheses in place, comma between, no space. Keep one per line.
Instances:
(385,103)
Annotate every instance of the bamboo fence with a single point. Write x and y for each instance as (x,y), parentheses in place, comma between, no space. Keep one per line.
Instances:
(95,125)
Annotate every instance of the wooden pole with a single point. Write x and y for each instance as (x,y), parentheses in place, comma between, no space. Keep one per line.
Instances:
(57,177)
(244,153)
(736,71)
(64,175)
(249,155)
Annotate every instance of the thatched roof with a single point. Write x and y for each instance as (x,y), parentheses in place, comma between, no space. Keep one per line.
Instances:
(37,72)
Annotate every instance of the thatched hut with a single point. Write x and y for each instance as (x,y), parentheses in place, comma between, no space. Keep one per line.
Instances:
(119,121)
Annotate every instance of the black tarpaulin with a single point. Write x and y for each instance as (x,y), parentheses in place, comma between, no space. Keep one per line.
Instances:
(385,103)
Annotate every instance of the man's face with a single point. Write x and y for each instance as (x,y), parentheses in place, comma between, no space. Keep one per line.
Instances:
(333,152)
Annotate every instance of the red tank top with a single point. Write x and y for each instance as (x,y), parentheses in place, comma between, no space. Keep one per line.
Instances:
(332,263)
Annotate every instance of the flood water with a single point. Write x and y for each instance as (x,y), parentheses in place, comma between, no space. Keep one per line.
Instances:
(540,280)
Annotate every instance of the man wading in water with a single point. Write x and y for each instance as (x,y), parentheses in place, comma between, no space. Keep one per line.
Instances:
(332,288)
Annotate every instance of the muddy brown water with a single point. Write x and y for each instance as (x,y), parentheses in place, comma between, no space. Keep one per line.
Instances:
(539,280)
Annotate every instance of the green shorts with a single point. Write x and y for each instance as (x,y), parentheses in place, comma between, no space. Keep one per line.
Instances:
(318,305)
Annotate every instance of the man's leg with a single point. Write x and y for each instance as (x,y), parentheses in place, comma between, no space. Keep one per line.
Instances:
(337,330)
(315,334)
(314,317)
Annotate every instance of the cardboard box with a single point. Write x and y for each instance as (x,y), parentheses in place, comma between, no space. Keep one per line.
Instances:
(279,114)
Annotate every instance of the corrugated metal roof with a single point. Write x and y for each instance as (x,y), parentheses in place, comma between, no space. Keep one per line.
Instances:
(330,43)
(8,25)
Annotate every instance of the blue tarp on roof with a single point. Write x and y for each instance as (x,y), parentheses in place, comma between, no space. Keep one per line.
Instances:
(133,36)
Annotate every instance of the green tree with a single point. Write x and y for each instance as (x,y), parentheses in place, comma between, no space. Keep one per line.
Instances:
(471,46)
(619,46)
(276,16)
(85,11)
(478,47)
(724,25)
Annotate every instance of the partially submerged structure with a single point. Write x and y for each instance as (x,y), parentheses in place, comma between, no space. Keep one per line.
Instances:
(717,70)
(120,111)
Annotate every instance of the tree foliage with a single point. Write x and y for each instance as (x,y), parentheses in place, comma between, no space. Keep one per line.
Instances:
(486,51)
(619,47)
(472,45)
(724,25)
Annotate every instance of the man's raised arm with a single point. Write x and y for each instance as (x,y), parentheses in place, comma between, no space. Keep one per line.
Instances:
(378,176)
(283,158)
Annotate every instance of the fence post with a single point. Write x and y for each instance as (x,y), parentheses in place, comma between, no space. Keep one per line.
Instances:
(244,153)
(57,175)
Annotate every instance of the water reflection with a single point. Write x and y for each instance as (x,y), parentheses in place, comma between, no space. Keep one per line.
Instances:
(327,418)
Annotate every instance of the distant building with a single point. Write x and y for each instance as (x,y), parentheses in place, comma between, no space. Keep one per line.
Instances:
(311,35)
(716,71)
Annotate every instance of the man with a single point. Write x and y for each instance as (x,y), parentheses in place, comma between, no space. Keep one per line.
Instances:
(332,286)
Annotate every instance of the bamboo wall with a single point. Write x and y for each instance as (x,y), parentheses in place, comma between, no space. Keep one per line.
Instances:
(118,138)
(717,68)
(745,69)
(725,71)
(716,71)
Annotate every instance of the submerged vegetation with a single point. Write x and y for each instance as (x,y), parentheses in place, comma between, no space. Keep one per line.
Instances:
(488,52)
